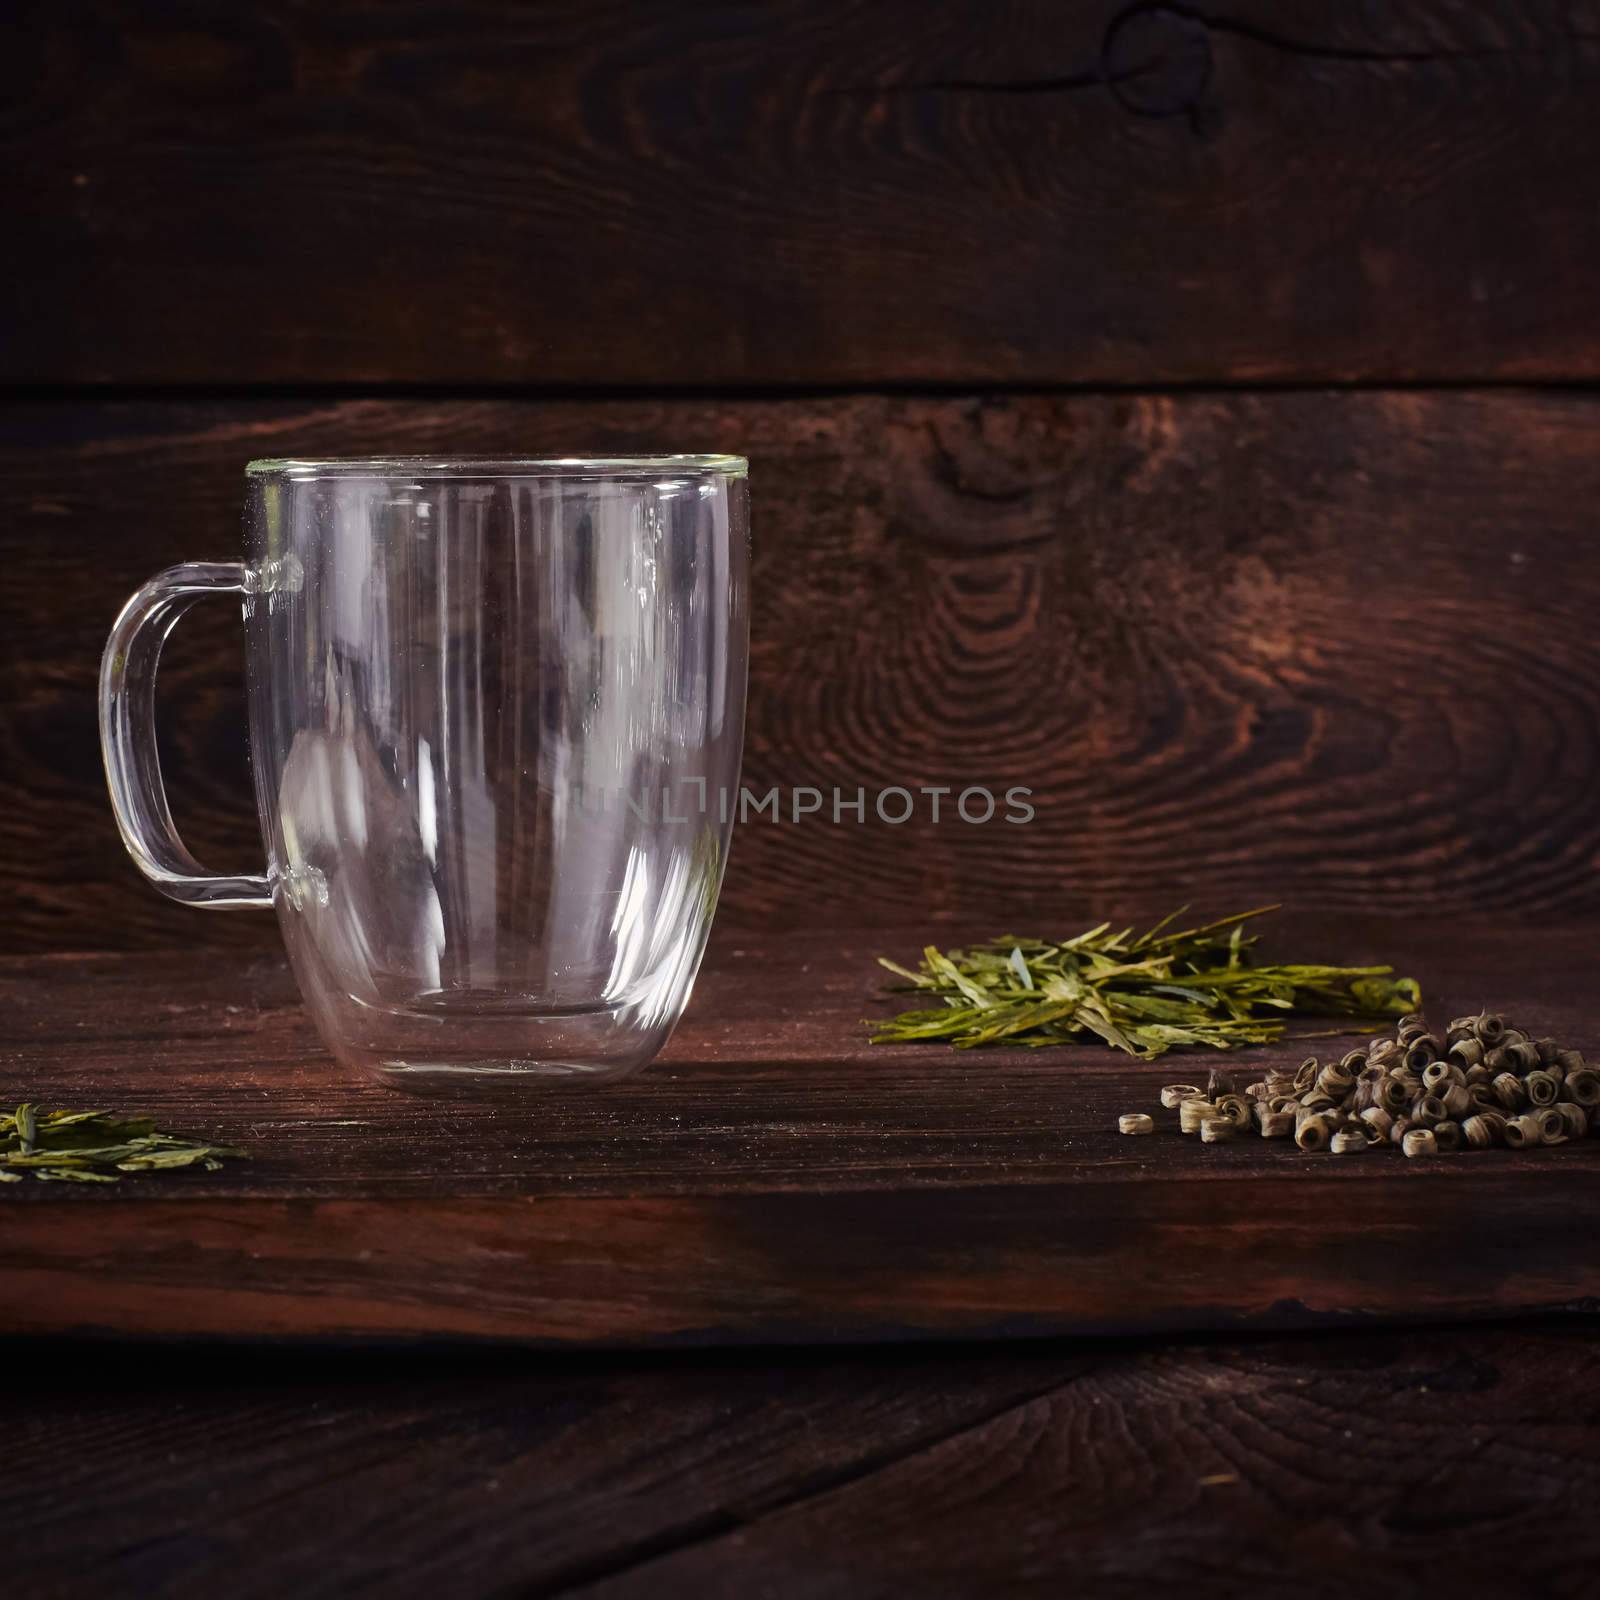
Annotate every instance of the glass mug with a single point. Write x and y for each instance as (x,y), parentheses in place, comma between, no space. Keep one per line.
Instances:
(496,711)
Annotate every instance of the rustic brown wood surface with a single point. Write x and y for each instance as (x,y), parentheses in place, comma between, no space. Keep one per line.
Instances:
(1391,1464)
(772,1178)
(642,192)
(1335,648)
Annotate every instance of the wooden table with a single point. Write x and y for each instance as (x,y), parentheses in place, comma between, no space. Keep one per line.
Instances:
(388,1275)
(773,1179)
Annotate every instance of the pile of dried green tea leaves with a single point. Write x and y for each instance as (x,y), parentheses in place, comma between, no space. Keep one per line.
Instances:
(1145,993)
(1482,1084)
(93,1147)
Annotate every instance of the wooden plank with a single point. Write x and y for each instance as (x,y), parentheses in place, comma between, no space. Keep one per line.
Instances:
(430,1473)
(773,1178)
(1390,1465)
(640,192)
(1330,1463)
(1332,647)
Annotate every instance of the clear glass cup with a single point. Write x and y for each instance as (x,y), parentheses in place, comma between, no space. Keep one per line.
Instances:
(496,711)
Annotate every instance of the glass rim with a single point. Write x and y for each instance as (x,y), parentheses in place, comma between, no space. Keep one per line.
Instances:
(310,467)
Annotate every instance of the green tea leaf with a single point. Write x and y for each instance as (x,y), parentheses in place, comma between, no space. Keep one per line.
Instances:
(1200,986)
(94,1147)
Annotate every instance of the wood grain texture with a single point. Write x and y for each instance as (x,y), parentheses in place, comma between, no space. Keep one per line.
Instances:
(441,1472)
(772,1178)
(640,192)
(1337,648)
(1390,1462)
(1401,1466)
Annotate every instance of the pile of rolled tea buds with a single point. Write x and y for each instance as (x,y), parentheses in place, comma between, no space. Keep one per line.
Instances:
(1482,1084)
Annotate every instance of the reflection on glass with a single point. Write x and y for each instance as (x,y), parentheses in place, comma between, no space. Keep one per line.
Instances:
(491,718)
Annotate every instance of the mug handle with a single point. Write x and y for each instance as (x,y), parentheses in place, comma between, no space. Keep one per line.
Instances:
(128,736)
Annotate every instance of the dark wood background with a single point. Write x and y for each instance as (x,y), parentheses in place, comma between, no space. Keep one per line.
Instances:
(1401,1465)
(1184,411)
(1180,415)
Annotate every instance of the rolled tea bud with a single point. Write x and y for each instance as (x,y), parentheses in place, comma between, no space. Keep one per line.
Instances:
(1543,1090)
(1174,1093)
(1382,1050)
(1136,1122)
(1508,1090)
(1283,1102)
(1447,1135)
(1456,1101)
(1336,1080)
(1195,1112)
(1524,1055)
(1489,1029)
(1552,1127)
(1378,1119)
(1278,1125)
(1392,1096)
(1317,1100)
(1574,1120)
(1468,1051)
(1257,1091)
(1570,1061)
(1408,1080)
(1483,1130)
(1413,1019)
(1353,1061)
(1217,1130)
(1420,1052)
(1235,1107)
(1307,1075)
(1420,1142)
(1428,1110)
(1583,1086)
(1549,1052)
(1347,1142)
(1482,1097)
(1478,1074)
(1220,1083)
(1399,1128)
(1522,1133)
(1498,1059)
(1313,1133)
(1437,1074)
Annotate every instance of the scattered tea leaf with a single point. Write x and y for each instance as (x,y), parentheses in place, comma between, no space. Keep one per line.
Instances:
(1145,993)
(94,1147)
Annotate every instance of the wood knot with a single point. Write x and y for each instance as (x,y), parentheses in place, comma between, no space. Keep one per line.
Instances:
(1156,60)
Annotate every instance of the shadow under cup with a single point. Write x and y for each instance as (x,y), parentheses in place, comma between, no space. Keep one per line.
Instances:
(496,711)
